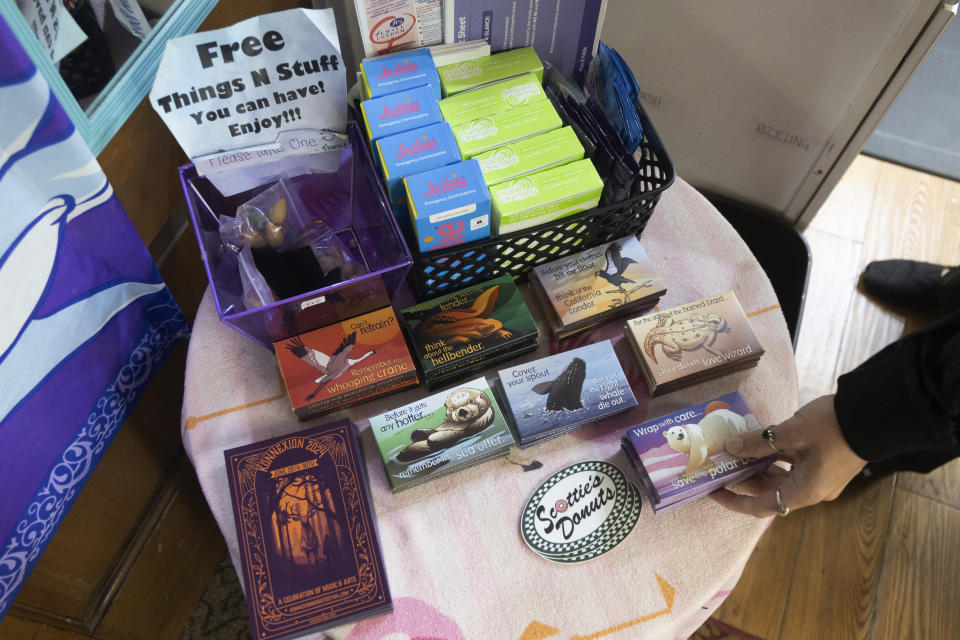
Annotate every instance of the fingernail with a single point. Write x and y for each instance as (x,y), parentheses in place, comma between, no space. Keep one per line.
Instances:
(735,445)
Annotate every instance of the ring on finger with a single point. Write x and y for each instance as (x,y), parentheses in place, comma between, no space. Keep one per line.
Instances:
(782,510)
(767,434)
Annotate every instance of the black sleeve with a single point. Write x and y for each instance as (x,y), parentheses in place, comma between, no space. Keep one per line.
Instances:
(906,398)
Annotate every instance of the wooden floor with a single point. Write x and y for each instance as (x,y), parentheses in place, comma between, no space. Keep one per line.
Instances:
(883,560)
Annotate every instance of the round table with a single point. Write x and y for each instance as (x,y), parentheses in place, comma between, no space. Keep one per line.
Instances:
(457,566)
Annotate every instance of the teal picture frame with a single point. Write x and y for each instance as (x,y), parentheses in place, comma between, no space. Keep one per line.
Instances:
(106,114)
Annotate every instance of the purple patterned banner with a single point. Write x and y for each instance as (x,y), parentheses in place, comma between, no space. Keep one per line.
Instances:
(86,317)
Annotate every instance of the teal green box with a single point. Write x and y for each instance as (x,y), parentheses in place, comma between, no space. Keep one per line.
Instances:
(470,74)
(544,196)
(529,155)
(490,132)
(492,98)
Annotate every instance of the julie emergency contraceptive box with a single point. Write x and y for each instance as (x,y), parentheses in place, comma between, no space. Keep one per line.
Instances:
(383,75)
(483,134)
(398,112)
(449,205)
(544,196)
(470,74)
(411,152)
(492,98)
(528,155)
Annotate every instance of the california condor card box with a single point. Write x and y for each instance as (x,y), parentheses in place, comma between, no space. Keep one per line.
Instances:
(475,327)
(681,456)
(309,552)
(693,342)
(345,363)
(584,289)
(563,392)
(441,434)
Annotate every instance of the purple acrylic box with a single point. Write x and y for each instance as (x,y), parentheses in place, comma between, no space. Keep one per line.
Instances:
(352,201)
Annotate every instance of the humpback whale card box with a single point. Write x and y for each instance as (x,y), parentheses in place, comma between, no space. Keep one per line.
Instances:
(590,287)
(441,434)
(680,456)
(345,363)
(309,553)
(458,334)
(693,342)
(560,393)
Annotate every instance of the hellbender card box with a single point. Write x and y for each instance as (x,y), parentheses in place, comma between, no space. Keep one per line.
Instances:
(440,434)
(681,457)
(459,333)
(593,286)
(693,342)
(560,393)
(309,552)
(345,363)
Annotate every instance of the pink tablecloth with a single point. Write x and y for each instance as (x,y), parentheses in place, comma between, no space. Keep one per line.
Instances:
(457,566)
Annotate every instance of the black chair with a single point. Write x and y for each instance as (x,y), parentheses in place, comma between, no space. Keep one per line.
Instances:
(780,249)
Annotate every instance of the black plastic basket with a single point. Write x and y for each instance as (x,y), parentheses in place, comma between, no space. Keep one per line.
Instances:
(443,271)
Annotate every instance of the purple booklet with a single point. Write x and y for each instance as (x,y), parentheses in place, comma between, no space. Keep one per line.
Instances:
(680,456)
(308,542)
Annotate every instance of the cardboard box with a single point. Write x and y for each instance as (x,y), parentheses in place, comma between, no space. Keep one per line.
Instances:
(530,155)
(544,196)
(483,134)
(449,205)
(384,75)
(470,74)
(492,98)
(398,112)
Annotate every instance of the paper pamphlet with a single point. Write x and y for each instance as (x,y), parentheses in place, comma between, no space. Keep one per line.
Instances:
(389,25)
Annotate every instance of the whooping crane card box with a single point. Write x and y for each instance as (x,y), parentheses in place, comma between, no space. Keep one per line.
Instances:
(440,434)
(693,342)
(590,287)
(309,552)
(345,363)
(680,456)
(459,333)
(551,396)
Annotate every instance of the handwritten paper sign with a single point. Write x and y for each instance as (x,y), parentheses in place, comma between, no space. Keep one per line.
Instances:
(268,86)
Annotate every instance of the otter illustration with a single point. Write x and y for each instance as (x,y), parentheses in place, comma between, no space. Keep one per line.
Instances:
(469,412)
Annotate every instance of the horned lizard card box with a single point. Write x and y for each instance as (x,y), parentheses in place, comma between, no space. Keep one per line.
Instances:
(590,287)
(441,434)
(693,342)
(563,392)
(680,456)
(309,553)
(345,363)
(458,334)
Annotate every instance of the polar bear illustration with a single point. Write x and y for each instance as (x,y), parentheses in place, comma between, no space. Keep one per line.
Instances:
(705,439)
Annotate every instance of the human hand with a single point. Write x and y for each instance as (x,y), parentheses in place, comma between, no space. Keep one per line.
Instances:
(822,463)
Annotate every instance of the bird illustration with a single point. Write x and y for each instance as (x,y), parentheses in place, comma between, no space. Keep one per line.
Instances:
(616,265)
(331,367)
(463,326)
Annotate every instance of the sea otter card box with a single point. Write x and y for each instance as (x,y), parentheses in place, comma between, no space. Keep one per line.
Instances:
(449,205)
(460,333)
(309,553)
(398,112)
(440,434)
(382,75)
(345,363)
(680,456)
(590,287)
(552,396)
(693,342)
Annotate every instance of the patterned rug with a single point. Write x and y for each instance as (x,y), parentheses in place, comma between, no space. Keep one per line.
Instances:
(221,613)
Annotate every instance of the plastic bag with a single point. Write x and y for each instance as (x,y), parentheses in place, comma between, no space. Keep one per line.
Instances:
(256,291)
